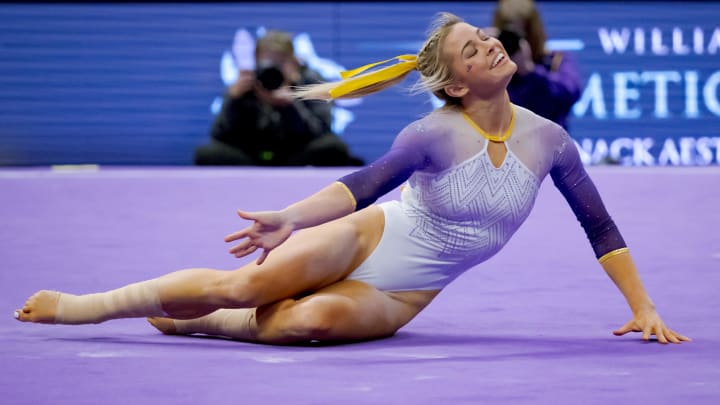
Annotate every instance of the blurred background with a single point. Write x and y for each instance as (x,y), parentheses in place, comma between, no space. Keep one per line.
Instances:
(119,83)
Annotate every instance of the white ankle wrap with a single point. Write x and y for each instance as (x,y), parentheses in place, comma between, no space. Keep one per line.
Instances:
(233,323)
(134,300)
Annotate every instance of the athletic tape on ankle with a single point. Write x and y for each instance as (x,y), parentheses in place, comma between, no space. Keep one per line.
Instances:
(134,300)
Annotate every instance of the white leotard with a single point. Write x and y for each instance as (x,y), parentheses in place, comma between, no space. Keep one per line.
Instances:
(461,210)
(448,222)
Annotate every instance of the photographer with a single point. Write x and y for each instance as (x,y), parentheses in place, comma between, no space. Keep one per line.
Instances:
(260,123)
(546,82)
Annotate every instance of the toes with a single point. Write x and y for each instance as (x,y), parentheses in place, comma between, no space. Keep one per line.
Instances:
(164,325)
(21,315)
(39,308)
(24,315)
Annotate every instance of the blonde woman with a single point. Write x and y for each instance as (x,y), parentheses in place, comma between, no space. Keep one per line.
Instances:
(337,267)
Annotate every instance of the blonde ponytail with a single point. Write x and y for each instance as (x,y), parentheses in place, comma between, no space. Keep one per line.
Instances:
(355,83)
(430,62)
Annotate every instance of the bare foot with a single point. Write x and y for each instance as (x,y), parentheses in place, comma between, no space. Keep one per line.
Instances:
(39,308)
(164,325)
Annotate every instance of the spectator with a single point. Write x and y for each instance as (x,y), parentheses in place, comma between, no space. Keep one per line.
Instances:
(261,124)
(546,82)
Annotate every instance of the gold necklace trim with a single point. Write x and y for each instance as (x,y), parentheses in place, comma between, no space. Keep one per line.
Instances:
(495,138)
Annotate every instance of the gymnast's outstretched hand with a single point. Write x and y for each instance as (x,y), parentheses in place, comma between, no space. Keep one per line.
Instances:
(649,323)
(268,230)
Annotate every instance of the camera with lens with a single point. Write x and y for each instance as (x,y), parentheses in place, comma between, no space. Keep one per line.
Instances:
(510,40)
(269,75)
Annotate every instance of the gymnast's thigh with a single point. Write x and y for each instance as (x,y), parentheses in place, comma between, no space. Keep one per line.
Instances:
(348,310)
(316,257)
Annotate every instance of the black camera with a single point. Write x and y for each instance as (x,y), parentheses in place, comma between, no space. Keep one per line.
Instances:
(269,75)
(510,40)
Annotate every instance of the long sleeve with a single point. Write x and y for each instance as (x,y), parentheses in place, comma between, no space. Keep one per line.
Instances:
(383,175)
(411,151)
(571,179)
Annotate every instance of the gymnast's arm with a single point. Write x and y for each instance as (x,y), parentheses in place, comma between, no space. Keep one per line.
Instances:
(569,176)
(350,193)
(363,187)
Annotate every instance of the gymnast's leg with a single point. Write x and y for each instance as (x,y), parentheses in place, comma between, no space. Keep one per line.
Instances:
(308,261)
(238,323)
(346,311)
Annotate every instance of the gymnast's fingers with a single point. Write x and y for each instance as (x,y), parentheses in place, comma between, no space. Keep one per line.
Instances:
(624,329)
(646,332)
(680,337)
(264,256)
(671,336)
(660,335)
(237,235)
(241,246)
(245,252)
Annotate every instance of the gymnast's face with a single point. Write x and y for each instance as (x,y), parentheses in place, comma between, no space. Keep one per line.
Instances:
(479,63)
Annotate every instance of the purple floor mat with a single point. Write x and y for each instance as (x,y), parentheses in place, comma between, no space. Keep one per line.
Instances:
(532,325)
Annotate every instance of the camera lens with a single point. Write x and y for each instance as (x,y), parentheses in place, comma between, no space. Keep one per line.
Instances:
(270,77)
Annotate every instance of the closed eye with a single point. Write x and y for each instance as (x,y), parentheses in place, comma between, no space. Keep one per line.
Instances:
(471,53)
(483,37)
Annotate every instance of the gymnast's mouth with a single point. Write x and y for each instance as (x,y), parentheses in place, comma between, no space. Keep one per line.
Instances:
(501,57)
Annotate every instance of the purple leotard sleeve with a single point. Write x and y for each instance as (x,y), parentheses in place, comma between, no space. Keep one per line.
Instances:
(410,152)
(570,177)
(384,174)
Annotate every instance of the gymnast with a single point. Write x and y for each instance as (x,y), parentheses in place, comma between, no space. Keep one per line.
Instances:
(336,267)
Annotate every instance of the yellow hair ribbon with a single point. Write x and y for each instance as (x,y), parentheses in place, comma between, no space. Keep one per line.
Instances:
(406,64)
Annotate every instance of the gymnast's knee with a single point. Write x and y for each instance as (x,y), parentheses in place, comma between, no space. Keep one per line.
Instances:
(293,321)
(240,289)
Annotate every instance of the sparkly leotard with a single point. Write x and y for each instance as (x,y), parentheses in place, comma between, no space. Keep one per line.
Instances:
(453,218)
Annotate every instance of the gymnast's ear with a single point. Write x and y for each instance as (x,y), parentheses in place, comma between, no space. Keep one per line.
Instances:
(456,90)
